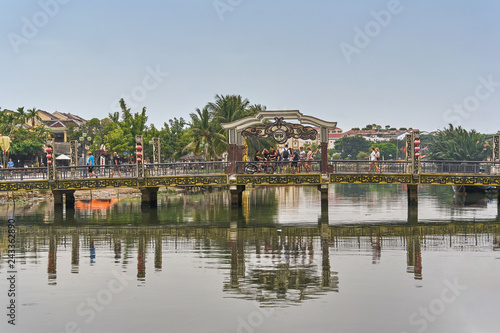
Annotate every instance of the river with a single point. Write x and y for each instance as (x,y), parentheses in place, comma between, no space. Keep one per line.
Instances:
(279,263)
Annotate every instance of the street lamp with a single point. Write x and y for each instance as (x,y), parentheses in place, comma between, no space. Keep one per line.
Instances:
(84,140)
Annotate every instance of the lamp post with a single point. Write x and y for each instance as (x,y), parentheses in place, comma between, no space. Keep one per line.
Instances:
(84,140)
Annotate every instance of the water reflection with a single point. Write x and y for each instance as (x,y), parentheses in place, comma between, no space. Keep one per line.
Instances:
(275,266)
(270,206)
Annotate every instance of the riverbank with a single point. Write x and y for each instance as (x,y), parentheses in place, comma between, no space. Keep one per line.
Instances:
(6,197)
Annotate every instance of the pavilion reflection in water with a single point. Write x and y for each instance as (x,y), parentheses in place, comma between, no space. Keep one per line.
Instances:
(272,265)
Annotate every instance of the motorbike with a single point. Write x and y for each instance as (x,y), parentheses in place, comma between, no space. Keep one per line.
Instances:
(254,168)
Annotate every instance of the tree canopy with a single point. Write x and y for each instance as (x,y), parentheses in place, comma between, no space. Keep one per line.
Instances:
(458,144)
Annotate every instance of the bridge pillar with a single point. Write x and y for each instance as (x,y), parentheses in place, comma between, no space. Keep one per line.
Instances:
(70,199)
(149,196)
(412,195)
(59,198)
(236,194)
(323,188)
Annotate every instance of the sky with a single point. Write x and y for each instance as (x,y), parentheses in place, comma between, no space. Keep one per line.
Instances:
(404,63)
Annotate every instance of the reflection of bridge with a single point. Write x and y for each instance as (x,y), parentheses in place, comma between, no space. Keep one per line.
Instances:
(273,265)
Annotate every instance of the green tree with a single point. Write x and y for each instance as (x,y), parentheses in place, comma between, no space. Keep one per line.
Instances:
(204,137)
(457,144)
(173,137)
(350,146)
(387,150)
(32,116)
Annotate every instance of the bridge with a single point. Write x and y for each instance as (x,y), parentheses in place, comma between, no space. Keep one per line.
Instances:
(63,181)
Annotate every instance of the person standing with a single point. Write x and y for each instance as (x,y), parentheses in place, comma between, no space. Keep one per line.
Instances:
(309,159)
(285,156)
(278,161)
(10,164)
(295,160)
(302,158)
(373,159)
(90,164)
(116,164)
(377,159)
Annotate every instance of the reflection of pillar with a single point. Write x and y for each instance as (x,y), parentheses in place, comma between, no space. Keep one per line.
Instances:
(236,243)
(149,215)
(141,258)
(158,252)
(412,214)
(324,204)
(376,250)
(325,256)
(237,216)
(92,250)
(75,252)
(414,256)
(51,269)
(58,214)
(117,244)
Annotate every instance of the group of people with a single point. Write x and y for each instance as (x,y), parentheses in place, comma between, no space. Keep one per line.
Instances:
(374,158)
(91,163)
(294,158)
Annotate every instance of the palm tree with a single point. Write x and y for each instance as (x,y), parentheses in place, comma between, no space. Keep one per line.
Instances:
(21,116)
(457,144)
(204,135)
(228,108)
(32,114)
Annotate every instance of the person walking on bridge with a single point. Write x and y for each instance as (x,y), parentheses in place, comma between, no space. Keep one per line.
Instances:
(116,164)
(90,165)
(373,160)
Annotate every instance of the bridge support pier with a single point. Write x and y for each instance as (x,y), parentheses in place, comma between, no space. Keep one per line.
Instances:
(412,195)
(323,188)
(236,194)
(58,198)
(324,203)
(149,197)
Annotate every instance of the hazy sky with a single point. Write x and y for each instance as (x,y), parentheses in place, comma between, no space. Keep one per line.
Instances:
(420,63)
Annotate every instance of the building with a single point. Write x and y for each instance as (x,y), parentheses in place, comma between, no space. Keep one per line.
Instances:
(58,123)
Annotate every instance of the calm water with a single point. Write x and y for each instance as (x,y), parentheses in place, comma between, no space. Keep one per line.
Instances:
(278,264)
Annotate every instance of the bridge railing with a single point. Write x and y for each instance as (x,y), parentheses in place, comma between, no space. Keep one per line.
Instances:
(185,168)
(101,171)
(271,167)
(460,167)
(16,174)
(362,166)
